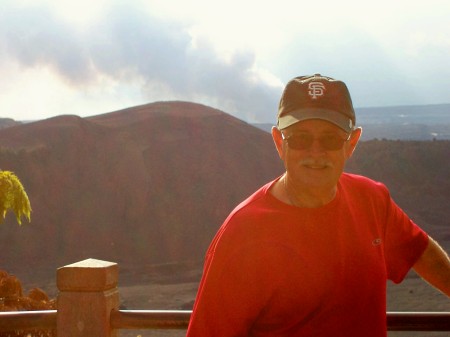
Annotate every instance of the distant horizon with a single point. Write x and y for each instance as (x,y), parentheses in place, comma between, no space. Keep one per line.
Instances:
(127,107)
(413,122)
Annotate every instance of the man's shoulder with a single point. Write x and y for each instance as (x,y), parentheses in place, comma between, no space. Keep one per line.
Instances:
(359,180)
(362,184)
(242,223)
(255,207)
(254,200)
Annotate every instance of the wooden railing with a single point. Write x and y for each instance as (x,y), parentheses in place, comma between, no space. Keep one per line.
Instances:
(88,306)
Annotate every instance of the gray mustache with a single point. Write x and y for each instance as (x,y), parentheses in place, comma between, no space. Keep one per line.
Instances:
(315,162)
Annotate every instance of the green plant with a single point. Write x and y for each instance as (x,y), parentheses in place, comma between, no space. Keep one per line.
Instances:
(13,196)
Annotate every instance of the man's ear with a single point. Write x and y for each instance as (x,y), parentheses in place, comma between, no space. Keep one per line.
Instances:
(354,139)
(278,140)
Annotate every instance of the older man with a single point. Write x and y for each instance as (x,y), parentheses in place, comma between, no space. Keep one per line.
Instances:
(309,253)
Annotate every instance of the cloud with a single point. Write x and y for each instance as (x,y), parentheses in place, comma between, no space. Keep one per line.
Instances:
(126,45)
(227,56)
(35,38)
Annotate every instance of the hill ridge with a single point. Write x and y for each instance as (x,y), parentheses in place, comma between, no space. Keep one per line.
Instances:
(155,190)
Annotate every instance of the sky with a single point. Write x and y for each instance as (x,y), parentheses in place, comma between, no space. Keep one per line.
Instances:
(89,57)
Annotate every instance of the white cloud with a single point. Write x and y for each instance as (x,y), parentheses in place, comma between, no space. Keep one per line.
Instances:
(233,55)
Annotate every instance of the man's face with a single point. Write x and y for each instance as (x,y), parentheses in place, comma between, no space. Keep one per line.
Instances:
(316,167)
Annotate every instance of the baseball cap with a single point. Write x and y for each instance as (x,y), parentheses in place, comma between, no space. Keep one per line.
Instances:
(316,97)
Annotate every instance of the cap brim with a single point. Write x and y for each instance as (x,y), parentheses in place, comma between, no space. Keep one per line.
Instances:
(331,116)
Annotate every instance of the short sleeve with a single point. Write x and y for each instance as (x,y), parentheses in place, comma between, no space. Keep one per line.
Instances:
(405,242)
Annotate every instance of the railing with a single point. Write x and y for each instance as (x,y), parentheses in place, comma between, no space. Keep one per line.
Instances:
(88,306)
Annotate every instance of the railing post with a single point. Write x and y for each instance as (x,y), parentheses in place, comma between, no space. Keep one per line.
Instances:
(87,294)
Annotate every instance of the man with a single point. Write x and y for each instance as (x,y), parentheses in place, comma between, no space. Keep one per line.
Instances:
(309,253)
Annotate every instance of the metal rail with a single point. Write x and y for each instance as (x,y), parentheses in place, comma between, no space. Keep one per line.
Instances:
(179,319)
(15,320)
(418,321)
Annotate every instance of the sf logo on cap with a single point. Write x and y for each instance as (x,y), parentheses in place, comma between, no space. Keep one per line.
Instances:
(316,89)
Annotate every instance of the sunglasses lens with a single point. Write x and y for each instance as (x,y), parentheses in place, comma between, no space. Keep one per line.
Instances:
(300,142)
(332,142)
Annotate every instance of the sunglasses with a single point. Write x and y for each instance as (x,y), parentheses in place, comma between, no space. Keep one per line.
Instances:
(304,141)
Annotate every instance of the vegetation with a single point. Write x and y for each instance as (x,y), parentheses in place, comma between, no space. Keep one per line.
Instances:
(12,299)
(13,196)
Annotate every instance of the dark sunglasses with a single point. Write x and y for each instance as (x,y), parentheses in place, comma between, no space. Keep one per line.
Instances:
(304,141)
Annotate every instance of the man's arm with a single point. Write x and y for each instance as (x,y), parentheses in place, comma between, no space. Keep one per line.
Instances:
(434,267)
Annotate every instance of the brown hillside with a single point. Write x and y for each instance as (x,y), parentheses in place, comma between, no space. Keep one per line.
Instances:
(151,184)
(144,185)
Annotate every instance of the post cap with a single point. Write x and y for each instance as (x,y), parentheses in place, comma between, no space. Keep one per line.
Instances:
(88,275)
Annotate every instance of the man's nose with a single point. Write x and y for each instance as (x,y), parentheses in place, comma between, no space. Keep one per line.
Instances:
(317,147)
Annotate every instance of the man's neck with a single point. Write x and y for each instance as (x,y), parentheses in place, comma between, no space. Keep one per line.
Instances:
(287,192)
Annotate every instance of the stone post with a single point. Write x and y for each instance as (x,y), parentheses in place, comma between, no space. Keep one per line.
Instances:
(87,294)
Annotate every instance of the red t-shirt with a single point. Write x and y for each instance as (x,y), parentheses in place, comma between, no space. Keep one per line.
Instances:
(278,270)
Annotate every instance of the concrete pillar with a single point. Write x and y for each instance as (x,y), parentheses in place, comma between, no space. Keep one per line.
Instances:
(87,294)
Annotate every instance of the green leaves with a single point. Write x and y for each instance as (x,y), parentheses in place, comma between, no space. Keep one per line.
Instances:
(13,196)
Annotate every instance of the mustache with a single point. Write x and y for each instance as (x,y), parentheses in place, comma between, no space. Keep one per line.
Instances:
(316,162)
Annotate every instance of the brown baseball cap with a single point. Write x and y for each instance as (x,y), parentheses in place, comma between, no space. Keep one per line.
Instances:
(316,97)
